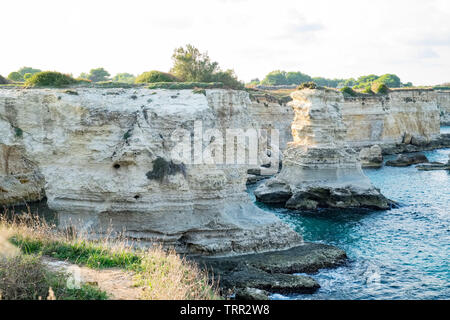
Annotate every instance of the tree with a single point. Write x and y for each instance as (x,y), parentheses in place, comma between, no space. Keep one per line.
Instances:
(390,80)
(191,65)
(275,78)
(124,77)
(27,76)
(15,76)
(228,78)
(297,78)
(98,74)
(24,70)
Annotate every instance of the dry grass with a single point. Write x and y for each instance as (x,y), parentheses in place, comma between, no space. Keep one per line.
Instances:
(162,274)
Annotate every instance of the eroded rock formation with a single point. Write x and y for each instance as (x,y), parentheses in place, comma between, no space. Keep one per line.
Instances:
(319,168)
(401,121)
(110,163)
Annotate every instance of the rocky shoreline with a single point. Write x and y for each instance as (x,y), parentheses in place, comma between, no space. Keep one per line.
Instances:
(272,272)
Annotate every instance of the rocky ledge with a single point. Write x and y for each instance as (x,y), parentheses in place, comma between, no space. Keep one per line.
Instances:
(405,160)
(257,275)
(435,166)
(319,168)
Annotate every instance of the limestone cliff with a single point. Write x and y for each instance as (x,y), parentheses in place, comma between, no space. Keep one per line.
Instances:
(443,100)
(411,116)
(109,160)
(388,119)
(319,168)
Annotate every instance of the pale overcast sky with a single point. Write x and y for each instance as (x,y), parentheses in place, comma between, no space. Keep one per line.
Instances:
(327,38)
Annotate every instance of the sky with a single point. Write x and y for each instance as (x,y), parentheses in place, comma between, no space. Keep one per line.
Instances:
(328,38)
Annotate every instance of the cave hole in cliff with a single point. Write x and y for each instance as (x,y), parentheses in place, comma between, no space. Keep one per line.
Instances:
(116,166)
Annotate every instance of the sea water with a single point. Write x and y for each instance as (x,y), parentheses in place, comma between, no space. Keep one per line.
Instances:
(401,253)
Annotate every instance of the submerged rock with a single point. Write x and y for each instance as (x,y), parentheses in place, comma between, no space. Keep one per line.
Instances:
(405,160)
(274,271)
(319,168)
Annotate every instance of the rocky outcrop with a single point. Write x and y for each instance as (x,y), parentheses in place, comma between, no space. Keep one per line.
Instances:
(112,163)
(371,157)
(435,166)
(20,178)
(405,160)
(401,121)
(319,168)
(251,275)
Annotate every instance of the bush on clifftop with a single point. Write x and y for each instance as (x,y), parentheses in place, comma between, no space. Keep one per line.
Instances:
(307,85)
(50,79)
(380,88)
(348,91)
(3,80)
(155,76)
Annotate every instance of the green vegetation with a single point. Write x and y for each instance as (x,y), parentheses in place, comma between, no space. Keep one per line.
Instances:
(185,85)
(348,91)
(18,132)
(124,77)
(158,274)
(163,168)
(81,252)
(4,80)
(22,74)
(25,277)
(380,88)
(277,78)
(156,76)
(307,85)
(96,75)
(50,79)
(190,65)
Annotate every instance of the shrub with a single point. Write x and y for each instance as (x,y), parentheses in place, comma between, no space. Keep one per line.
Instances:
(50,79)
(155,76)
(307,85)
(27,76)
(185,85)
(368,90)
(15,76)
(348,91)
(25,277)
(3,80)
(96,75)
(228,78)
(380,88)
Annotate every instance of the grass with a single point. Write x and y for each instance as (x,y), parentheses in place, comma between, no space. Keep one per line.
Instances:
(162,275)
(25,277)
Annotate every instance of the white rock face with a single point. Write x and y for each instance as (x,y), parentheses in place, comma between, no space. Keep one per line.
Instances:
(372,120)
(319,168)
(97,150)
(371,157)
(443,99)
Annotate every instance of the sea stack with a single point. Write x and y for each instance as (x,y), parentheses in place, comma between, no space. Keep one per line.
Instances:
(319,169)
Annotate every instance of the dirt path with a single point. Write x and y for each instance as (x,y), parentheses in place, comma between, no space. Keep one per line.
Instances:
(116,282)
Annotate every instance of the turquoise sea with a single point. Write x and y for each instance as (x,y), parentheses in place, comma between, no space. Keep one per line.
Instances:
(402,253)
